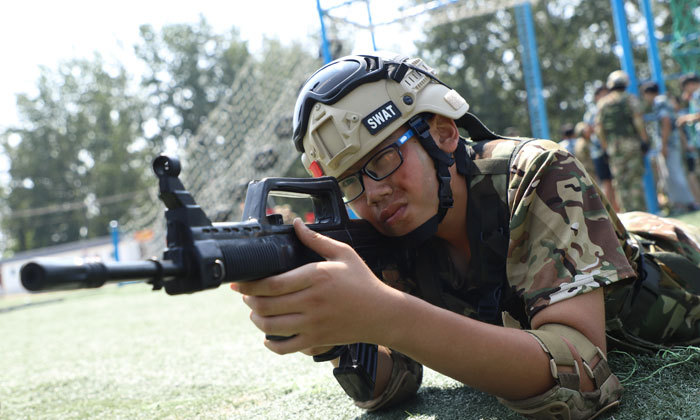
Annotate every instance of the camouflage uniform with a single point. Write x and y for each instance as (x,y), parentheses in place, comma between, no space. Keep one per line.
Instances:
(564,241)
(615,118)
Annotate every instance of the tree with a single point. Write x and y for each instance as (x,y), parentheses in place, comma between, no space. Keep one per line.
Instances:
(77,159)
(189,69)
(482,59)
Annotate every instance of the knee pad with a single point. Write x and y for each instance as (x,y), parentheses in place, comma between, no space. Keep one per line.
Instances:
(406,378)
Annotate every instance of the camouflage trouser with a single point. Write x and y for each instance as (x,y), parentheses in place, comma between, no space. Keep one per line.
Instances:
(660,310)
(627,166)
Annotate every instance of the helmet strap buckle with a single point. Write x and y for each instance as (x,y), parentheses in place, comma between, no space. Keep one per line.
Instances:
(398,73)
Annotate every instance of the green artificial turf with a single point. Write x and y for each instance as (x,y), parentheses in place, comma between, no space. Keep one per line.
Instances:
(691,218)
(129,353)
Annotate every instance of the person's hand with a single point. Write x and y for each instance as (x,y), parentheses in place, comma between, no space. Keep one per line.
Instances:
(687,119)
(321,304)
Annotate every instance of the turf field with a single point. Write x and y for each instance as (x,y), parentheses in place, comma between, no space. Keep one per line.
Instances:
(127,352)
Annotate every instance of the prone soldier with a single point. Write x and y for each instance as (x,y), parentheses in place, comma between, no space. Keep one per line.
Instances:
(524,274)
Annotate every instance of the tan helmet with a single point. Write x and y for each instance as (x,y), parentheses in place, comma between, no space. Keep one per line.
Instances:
(352,104)
(617,79)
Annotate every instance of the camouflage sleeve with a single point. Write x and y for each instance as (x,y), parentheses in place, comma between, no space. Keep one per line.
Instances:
(564,239)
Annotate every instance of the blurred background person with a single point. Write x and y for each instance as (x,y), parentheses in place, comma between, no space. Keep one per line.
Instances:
(620,128)
(567,138)
(690,88)
(680,197)
(582,146)
(690,147)
(690,122)
(598,155)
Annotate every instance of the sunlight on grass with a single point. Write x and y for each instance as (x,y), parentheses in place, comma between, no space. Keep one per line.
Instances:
(128,352)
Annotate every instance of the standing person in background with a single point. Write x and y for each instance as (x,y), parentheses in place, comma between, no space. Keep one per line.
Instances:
(582,146)
(620,128)
(690,86)
(690,92)
(598,154)
(680,197)
(568,139)
(689,146)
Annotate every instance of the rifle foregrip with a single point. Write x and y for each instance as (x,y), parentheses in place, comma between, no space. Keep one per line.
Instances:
(261,258)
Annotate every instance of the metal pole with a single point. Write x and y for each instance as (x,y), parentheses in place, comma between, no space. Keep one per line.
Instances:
(652,49)
(623,40)
(371,26)
(531,67)
(114,228)
(627,63)
(324,40)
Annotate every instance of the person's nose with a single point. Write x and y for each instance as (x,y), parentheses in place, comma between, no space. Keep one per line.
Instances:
(375,191)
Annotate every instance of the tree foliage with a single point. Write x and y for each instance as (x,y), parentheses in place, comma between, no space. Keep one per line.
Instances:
(189,69)
(481,58)
(81,155)
(75,163)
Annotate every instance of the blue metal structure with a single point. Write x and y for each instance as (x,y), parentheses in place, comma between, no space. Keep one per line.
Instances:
(652,49)
(531,66)
(324,39)
(627,63)
(533,80)
(371,26)
(531,70)
(114,228)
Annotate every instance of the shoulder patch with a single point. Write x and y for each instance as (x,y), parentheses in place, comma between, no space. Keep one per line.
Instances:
(381,117)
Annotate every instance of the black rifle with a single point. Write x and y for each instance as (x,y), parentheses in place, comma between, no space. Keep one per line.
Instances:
(201,255)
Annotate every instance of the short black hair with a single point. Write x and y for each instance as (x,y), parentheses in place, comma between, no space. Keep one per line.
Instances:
(650,87)
(567,130)
(689,78)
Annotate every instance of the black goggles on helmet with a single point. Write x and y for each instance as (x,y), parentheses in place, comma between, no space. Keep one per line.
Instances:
(336,79)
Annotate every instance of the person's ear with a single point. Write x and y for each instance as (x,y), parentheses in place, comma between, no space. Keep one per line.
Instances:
(445,133)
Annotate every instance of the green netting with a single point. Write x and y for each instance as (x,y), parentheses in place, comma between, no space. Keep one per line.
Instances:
(247,137)
(686,34)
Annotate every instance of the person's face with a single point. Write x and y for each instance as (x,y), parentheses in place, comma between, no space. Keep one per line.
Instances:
(689,89)
(648,97)
(587,131)
(404,200)
(600,95)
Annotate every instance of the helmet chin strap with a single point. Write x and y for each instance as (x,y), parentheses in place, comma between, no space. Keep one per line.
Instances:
(442,161)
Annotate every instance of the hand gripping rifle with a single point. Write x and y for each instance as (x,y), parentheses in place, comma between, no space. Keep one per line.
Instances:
(201,255)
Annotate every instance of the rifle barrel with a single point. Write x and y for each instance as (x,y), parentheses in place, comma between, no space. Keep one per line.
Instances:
(58,275)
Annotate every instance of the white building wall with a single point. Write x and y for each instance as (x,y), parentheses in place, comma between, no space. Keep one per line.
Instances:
(129,250)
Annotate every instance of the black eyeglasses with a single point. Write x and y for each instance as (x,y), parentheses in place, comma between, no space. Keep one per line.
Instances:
(384,163)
